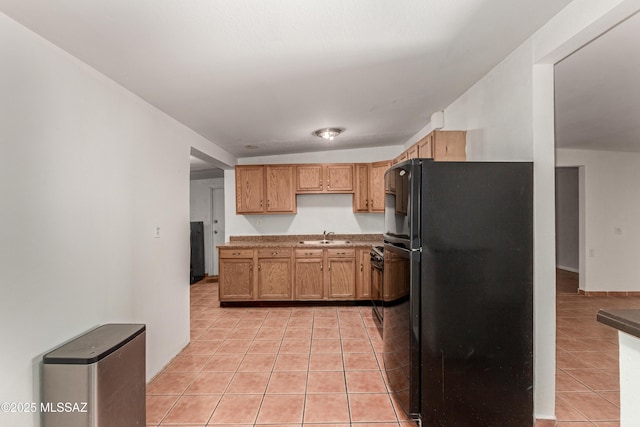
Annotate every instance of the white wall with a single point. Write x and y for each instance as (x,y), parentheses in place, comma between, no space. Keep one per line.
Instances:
(611,212)
(316,212)
(567,219)
(497,111)
(200,210)
(87,171)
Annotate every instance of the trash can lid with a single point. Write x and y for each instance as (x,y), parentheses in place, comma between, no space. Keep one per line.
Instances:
(94,345)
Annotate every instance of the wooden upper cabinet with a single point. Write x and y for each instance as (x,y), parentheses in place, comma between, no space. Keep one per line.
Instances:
(412,152)
(425,147)
(450,145)
(265,189)
(443,146)
(376,185)
(339,178)
(309,179)
(249,189)
(361,194)
(369,186)
(280,195)
(325,178)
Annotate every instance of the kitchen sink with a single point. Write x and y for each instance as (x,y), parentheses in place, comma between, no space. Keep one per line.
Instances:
(325,242)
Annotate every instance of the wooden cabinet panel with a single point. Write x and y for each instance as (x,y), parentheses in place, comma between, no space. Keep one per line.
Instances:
(412,152)
(235,253)
(235,279)
(449,145)
(274,279)
(274,253)
(376,186)
(309,279)
(339,178)
(309,179)
(249,189)
(361,195)
(341,278)
(280,195)
(363,274)
(341,252)
(425,147)
(301,253)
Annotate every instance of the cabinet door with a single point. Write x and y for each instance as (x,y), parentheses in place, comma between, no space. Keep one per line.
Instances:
(376,186)
(363,275)
(309,278)
(412,153)
(361,195)
(280,195)
(425,147)
(249,189)
(274,279)
(339,178)
(309,179)
(235,277)
(449,145)
(341,278)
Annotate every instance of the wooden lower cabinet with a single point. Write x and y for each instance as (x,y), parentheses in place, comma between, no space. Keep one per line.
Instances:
(341,273)
(274,279)
(287,274)
(235,279)
(309,279)
(363,274)
(341,278)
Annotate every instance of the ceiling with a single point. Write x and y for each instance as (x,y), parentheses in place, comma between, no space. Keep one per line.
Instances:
(598,92)
(258,77)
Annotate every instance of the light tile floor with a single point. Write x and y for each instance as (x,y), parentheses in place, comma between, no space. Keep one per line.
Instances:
(587,382)
(321,365)
(274,366)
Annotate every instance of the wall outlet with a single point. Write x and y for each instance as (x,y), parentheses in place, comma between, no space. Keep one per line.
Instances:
(157,232)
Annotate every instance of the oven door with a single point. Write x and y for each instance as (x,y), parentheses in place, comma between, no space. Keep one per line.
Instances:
(401,325)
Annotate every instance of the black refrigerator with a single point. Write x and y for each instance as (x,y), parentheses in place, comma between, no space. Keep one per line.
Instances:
(458,291)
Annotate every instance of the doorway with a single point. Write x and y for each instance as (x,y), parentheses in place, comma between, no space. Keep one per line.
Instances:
(567,229)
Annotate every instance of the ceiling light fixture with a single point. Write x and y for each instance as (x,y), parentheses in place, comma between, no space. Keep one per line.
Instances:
(328,133)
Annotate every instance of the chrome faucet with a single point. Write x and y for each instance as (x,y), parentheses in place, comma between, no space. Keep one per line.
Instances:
(325,234)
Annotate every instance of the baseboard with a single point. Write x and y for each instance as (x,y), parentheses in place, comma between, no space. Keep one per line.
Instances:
(609,293)
(564,267)
(545,423)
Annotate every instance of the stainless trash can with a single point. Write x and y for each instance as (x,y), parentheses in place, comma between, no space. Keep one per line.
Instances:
(97,379)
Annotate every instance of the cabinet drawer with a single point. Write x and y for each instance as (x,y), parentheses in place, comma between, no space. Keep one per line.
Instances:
(304,253)
(344,252)
(236,253)
(274,253)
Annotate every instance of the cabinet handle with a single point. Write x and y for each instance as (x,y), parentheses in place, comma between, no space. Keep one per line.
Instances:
(251,267)
(328,185)
(259,267)
(274,253)
(268,203)
(371,202)
(235,253)
(321,267)
(361,267)
(260,203)
(341,253)
(366,203)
